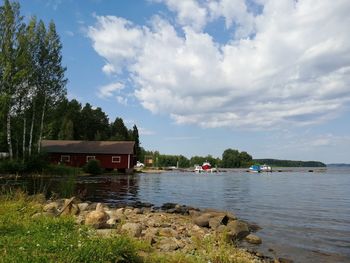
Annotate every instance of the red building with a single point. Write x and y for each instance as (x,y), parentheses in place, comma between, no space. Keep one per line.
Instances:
(111,154)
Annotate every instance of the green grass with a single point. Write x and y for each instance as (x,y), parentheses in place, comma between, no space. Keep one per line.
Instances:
(59,239)
(45,239)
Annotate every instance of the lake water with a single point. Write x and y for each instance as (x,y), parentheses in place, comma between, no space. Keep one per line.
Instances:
(304,216)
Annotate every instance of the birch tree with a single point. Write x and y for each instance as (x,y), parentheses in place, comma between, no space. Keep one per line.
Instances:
(10,27)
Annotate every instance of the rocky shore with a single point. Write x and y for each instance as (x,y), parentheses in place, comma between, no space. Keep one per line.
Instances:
(169,228)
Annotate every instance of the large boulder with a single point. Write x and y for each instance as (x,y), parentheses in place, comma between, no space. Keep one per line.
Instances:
(132,229)
(253,239)
(51,207)
(216,221)
(97,218)
(237,229)
(202,220)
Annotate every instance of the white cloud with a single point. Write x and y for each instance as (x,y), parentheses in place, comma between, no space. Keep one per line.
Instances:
(110,90)
(189,12)
(295,70)
(121,100)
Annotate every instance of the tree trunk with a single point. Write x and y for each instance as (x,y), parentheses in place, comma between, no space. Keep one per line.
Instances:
(42,124)
(24,138)
(31,131)
(9,139)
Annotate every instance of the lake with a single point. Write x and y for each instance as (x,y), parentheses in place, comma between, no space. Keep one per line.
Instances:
(305,216)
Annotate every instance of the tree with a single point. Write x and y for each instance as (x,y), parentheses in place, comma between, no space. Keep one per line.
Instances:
(10,27)
(230,158)
(119,132)
(245,159)
(135,137)
(52,82)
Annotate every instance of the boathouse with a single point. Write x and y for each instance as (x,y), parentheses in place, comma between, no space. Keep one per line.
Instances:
(118,155)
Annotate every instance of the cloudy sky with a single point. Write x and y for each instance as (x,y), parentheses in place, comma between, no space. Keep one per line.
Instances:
(270,77)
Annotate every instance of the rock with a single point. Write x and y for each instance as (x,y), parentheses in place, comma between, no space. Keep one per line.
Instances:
(215,222)
(168,244)
(253,239)
(253,227)
(97,218)
(285,260)
(80,220)
(194,213)
(237,229)
(51,207)
(202,220)
(138,211)
(83,206)
(112,222)
(69,207)
(132,229)
(168,232)
(167,206)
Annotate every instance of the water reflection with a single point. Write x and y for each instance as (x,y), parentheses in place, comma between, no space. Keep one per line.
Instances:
(305,216)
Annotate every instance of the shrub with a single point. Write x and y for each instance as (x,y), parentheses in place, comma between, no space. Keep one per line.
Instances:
(36,163)
(61,169)
(93,167)
(11,167)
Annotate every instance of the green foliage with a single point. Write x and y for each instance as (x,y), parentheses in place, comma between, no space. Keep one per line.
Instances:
(60,169)
(232,158)
(45,239)
(8,166)
(93,167)
(36,163)
(289,163)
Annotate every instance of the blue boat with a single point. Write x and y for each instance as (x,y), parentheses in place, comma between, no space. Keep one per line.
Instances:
(255,168)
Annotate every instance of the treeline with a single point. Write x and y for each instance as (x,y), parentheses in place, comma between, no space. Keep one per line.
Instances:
(289,163)
(33,103)
(230,159)
(70,121)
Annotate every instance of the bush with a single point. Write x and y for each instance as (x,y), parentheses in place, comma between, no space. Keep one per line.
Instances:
(61,169)
(11,167)
(93,167)
(36,163)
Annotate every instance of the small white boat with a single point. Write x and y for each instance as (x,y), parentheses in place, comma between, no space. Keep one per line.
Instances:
(265,168)
(204,168)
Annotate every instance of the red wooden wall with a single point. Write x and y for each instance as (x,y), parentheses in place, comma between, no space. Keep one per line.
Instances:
(79,160)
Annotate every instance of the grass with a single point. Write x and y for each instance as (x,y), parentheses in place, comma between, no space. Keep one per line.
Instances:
(46,239)
(59,239)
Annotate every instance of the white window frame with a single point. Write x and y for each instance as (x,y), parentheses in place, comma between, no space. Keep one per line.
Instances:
(67,157)
(90,157)
(119,159)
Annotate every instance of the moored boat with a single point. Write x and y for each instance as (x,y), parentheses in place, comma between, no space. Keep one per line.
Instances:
(255,168)
(265,168)
(204,168)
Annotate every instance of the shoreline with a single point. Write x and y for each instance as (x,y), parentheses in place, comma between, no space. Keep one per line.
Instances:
(171,228)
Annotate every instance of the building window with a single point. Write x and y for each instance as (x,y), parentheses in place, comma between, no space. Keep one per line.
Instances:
(116,159)
(65,158)
(88,158)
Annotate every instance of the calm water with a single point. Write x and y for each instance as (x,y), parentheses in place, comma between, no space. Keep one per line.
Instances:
(305,216)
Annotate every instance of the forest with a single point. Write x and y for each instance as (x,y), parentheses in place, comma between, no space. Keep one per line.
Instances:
(33,102)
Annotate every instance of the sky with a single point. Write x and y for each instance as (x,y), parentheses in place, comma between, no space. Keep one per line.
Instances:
(270,77)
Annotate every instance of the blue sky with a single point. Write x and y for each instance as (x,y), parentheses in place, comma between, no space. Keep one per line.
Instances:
(270,77)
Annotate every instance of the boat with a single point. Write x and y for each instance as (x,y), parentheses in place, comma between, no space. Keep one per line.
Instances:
(255,168)
(204,168)
(265,168)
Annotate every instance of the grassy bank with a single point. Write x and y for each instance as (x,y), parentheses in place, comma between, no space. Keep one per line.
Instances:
(59,239)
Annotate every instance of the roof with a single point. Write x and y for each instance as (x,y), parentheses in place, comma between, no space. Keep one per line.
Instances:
(102,147)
